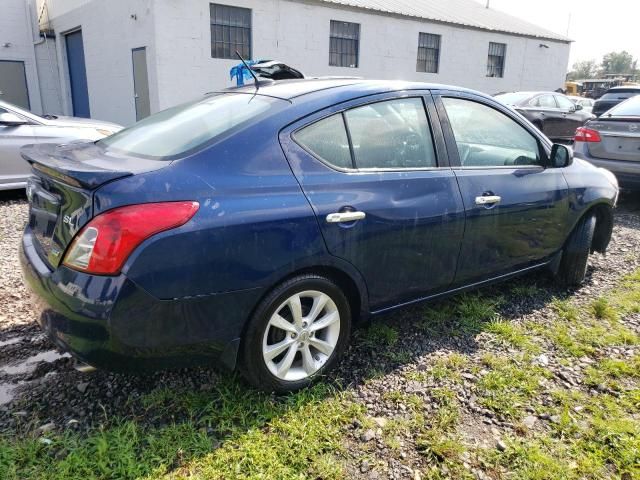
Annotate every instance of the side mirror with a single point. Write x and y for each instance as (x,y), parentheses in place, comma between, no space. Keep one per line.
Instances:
(578,107)
(561,156)
(11,120)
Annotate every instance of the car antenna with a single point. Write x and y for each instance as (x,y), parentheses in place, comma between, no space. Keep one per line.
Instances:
(255,79)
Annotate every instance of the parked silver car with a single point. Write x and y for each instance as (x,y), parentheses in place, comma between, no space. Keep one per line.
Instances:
(20,127)
(585,103)
(612,141)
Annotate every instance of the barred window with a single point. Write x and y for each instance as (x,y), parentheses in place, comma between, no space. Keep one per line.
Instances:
(230,31)
(344,47)
(495,65)
(428,53)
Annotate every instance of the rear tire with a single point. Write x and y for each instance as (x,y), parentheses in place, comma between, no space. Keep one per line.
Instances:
(575,256)
(298,332)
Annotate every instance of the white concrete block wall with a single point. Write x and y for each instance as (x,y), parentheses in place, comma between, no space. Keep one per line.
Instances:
(48,76)
(177,34)
(16,31)
(110,31)
(298,33)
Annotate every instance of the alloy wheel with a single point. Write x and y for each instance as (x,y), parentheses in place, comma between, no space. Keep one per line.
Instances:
(301,335)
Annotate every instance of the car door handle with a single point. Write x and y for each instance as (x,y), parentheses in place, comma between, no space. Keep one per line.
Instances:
(343,217)
(488,200)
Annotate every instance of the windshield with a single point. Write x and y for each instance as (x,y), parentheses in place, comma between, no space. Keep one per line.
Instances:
(629,108)
(11,108)
(181,130)
(512,98)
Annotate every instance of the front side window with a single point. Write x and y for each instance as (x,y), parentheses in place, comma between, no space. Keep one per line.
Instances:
(344,44)
(428,53)
(495,64)
(489,138)
(564,103)
(186,128)
(391,135)
(230,31)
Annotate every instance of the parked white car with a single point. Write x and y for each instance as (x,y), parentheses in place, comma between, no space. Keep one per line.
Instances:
(20,127)
(585,103)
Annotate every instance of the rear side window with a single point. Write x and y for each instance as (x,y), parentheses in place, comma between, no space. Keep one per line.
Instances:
(544,101)
(181,130)
(327,139)
(488,138)
(393,134)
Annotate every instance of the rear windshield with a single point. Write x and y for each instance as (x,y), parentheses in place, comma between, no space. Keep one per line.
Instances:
(629,108)
(184,129)
(620,94)
(512,98)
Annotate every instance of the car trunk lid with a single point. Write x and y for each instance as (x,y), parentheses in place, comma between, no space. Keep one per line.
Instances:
(620,139)
(61,190)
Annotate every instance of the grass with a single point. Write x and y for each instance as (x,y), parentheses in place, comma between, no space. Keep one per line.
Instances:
(461,315)
(512,335)
(510,385)
(232,432)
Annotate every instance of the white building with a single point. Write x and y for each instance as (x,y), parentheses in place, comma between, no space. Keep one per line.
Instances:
(28,64)
(142,56)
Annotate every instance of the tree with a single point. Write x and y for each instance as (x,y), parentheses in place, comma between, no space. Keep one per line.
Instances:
(619,62)
(583,70)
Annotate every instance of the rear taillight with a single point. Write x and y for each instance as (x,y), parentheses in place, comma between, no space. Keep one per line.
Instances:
(106,242)
(584,134)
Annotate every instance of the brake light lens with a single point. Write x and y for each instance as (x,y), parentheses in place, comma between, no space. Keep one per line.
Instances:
(106,242)
(587,135)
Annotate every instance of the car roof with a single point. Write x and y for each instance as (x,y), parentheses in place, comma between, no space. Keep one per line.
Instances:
(293,89)
(533,94)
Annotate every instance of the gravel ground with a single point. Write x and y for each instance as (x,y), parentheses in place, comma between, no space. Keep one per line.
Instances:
(40,389)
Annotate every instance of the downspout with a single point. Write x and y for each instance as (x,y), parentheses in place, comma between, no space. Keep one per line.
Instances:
(28,11)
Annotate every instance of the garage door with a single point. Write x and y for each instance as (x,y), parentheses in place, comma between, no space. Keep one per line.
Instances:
(13,83)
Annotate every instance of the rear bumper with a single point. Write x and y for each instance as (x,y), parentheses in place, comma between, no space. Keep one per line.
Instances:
(111,323)
(627,173)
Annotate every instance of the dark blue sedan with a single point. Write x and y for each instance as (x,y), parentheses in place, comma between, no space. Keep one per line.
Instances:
(253,228)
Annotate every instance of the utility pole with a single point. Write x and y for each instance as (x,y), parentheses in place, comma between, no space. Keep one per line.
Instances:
(488,3)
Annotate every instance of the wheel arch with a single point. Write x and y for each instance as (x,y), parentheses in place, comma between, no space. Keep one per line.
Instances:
(604,226)
(603,213)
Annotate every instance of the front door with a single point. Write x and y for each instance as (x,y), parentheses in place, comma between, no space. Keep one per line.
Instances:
(516,207)
(13,83)
(377,177)
(140,83)
(77,74)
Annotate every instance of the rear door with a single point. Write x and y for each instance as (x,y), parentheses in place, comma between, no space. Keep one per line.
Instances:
(516,208)
(376,174)
(550,114)
(571,118)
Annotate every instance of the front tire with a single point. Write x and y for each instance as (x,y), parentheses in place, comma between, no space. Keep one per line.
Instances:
(575,256)
(297,334)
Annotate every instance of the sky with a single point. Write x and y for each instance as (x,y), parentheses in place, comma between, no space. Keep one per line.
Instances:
(596,26)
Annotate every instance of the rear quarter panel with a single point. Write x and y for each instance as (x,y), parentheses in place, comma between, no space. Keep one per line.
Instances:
(253,220)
